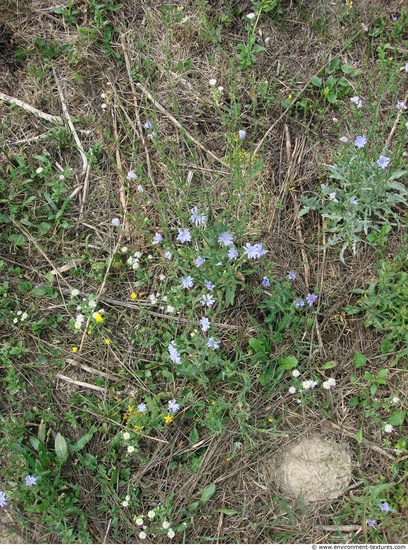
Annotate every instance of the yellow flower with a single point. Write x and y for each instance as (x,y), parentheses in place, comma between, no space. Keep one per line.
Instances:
(270,419)
(74,349)
(133,295)
(168,418)
(98,318)
(107,341)
(290,96)
(130,408)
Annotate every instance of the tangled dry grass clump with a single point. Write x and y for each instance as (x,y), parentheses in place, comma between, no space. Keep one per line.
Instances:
(92,92)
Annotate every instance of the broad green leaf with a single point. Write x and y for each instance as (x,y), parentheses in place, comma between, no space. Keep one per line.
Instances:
(61,447)
(17,240)
(329,365)
(192,507)
(35,442)
(208,493)
(316,81)
(382,374)
(82,441)
(359,360)
(193,436)
(359,435)
(288,363)
(228,512)
(397,418)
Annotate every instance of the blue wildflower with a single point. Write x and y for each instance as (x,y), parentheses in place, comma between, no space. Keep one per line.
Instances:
(184,235)
(209,286)
(188,282)
(353,200)
(371,522)
(205,324)
(266,282)
(31,480)
(226,239)
(207,300)
(116,222)
(311,298)
(360,141)
(157,239)
(292,275)
(232,253)
(196,218)
(3,499)
(199,261)
(148,125)
(174,354)
(131,175)
(142,408)
(242,134)
(383,162)
(384,506)
(173,406)
(212,343)
(299,303)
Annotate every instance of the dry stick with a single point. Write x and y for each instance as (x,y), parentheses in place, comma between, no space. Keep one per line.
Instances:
(122,194)
(77,383)
(387,143)
(29,140)
(335,528)
(139,124)
(30,109)
(179,126)
(70,124)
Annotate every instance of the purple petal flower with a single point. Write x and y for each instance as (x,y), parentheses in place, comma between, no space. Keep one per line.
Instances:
(188,282)
(360,141)
(31,480)
(207,300)
(131,175)
(174,354)
(371,522)
(196,218)
(168,255)
(225,239)
(173,406)
(311,298)
(383,162)
(353,200)
(292,275)
(157,239)
(357,101)
(142,407)
(3,499)
(205,324)
(148,125)
(212,343)
(184,235)
(232,253)
(242,134)
(116,222)
(385,507)
(199,261)
(266,282)
(401,105)
(209,286)
(299,303)
(254,251)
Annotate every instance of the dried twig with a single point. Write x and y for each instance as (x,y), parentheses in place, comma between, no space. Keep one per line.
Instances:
(179,126)
(30,109)
(335,528)
(70,124)
(78,383)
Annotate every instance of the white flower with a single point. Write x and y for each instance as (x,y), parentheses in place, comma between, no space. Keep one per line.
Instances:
(295,373)
(212,82)
(127,497)
(24,316)
(126,436)
(39,170)
(139,522)
(140,188)
(395,399)
(151,514)
(103,106)
(388,428)
(326,385)
(344,139)
(165,524)
(171,534)
(125,503)
(292,390)
(74,292)
(142,535)
(250,16)
(332,382)
(130,449)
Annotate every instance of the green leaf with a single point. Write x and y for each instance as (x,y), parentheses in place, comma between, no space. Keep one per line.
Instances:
(359,360)
(347,69)
(17,240)
(329,365)
(316,81)
(208,493)
(193,436)
(43,228)
(382,374)
(288,363)
(397,418)
(192,507)
(359,435)
(35,442)
(24,286)
(228,512)
(83,440)
(61,447)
